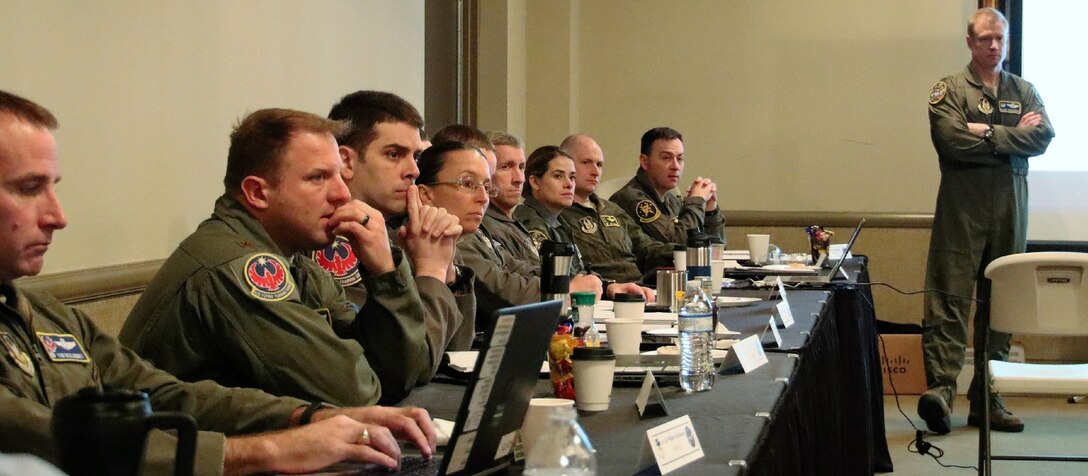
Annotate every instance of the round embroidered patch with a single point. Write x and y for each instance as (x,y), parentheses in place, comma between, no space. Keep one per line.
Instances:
(589,226)
(268,278)
(340,261)
(938,92)
(538,238)
(984,105)
(647,211)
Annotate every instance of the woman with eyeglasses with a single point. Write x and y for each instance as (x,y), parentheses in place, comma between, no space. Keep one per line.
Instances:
(549,173)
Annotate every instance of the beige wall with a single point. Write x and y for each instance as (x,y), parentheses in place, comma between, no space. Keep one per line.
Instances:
(774,98)
(147,90)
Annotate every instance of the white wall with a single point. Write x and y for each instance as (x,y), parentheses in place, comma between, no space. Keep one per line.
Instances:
(790,105)
(147,92)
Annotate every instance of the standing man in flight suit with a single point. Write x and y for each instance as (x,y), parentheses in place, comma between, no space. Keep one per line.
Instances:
(648,199)
(984,123)
(49,351)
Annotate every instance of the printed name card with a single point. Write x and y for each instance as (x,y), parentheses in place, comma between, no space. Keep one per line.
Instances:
(783,308)
(650,402)
(747,354)
(671,446)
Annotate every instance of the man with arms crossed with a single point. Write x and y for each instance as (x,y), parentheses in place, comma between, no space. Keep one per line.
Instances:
(984,123)
(240,303)
(647,197)
(33,378)
(509,179)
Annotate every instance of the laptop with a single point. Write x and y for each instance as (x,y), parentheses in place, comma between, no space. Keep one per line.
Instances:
(497,397)
(822,277)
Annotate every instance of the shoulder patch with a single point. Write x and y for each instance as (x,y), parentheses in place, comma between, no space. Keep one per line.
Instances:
(610,220)
(267,277)
(938,92)
(647,211)
(588,226)
(62,347)
(538,237)
(340,261)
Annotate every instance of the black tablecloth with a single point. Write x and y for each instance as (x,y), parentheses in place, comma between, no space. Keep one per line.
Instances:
(815,408)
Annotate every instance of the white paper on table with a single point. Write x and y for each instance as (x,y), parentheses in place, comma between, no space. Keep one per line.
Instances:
(442,429)
(465,360)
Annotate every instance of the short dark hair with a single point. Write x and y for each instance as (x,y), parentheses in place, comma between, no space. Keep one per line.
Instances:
(258,142)
(463,133)
(537,163)
(26,110)
(656,134)
(498,138)
(433,159)
(366,109)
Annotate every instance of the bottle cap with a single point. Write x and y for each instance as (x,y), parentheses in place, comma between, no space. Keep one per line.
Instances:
(584,298)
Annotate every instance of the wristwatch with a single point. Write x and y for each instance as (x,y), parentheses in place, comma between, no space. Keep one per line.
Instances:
(989,134)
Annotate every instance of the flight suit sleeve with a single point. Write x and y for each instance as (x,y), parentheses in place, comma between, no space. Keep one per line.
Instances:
(649,252)
(391,327)
(286,346)
(1025,141)
(495,286)
(443,318)
(692,216)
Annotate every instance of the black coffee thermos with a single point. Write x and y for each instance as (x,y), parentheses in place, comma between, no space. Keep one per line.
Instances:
(104,432)
(555,264)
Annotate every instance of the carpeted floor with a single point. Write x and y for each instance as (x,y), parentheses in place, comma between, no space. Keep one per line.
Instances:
(1052,426)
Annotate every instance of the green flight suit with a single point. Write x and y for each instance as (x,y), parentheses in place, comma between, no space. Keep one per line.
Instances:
(501,280)
(612,244)
(667,218)
(981,213)
(513,235)
(544,225)
(33,379)
(228,307)
(443,306)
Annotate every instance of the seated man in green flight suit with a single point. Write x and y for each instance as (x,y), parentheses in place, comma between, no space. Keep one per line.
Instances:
(240,302)
(35,375)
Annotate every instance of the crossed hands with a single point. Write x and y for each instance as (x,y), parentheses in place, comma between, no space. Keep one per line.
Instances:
(707,190)
(1030,119)
(429,237)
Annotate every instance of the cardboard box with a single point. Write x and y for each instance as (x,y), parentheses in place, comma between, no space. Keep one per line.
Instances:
(903,364)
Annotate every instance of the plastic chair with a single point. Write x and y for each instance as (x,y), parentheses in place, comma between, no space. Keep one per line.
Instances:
(1041,294)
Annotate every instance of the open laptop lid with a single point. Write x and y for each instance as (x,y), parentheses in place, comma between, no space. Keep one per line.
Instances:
(502,383)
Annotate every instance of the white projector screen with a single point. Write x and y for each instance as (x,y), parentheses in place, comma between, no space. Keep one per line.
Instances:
(1058,181)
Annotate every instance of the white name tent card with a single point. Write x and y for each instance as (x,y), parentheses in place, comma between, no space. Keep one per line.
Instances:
(747,354)
(783,308)
(671,446)
(650,402)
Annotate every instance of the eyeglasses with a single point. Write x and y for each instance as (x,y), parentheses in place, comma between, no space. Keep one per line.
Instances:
(471,185)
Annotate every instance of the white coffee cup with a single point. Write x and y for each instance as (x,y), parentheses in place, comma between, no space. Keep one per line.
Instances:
(628,306)
(624,336)
(536,419)
(593,367)
(757,247)
(717,274)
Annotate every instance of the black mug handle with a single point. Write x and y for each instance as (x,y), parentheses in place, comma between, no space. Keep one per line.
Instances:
(185,454)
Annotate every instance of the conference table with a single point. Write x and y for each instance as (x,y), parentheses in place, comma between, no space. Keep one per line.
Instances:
(816,406)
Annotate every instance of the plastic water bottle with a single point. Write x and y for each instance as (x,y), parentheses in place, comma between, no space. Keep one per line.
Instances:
(696,340)
(563,449)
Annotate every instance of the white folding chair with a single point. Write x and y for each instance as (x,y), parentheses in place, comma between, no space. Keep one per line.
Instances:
(1038,294)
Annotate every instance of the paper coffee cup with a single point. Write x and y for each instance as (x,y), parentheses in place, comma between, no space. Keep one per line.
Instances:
(717,274)
(536,419)
(593,367)
(757,247)
(628,306)
(624,336)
